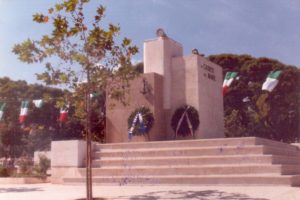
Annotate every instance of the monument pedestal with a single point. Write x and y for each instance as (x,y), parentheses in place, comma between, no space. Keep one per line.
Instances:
(175,80)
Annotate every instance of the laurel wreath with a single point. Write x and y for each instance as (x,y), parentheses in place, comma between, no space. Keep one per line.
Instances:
(184,129)
(148,121)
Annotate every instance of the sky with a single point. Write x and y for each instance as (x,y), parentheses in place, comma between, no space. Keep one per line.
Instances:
(261,28)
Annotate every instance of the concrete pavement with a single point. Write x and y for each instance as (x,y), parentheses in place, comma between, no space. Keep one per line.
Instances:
(71,192)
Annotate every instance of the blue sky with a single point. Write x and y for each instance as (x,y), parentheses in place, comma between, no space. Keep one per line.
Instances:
(261,28)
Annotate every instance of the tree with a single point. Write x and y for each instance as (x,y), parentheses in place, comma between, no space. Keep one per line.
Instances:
(139,67)
(249,111)
(41,125)
(78,45)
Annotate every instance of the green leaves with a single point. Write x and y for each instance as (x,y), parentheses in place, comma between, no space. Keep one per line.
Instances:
(100,13)
(126,42)
(44,41)
(132,50)
(113,29)
(40,18)
(45,77)
(60,27)
(27,51)
(271,115)
(70,5)
(80,58)
(59,7)
(263,106)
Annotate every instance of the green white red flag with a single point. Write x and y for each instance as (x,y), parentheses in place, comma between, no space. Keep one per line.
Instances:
(24,111)
(229,77)
(93,95)
(63,116)
(2,106)
(38,103)
(271,81)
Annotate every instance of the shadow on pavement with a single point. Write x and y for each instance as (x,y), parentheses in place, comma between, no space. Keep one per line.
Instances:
(203,195)
(20,189)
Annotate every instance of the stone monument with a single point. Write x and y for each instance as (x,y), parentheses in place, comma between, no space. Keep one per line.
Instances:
(172,80)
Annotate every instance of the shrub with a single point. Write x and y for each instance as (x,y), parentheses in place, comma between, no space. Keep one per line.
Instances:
(43,166)
(4,172)
(25,165)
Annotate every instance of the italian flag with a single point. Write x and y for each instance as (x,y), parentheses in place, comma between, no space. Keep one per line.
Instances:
(38,103)
(229,77)
(93,95)
(2,106)
(24,111)
(63,116)
(271,81)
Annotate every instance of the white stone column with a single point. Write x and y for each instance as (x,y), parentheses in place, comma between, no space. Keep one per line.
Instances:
(158,54)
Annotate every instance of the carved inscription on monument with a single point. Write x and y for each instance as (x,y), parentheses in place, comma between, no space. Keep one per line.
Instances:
(209,72)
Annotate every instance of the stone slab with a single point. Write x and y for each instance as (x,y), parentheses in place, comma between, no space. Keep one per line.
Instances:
(69,153)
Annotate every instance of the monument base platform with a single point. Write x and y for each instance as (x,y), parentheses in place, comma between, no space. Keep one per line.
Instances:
(229,161)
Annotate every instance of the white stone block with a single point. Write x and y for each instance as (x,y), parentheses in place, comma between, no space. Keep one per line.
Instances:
(69,153)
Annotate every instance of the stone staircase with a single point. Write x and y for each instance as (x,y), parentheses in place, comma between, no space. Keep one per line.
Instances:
(231,161)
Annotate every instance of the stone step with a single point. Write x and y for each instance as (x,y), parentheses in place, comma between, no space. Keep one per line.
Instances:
(179,152)
(179,143)
(231,161)
(277,159)
(261,179)
(194,151)
(238,142)
(273,143)
(197,160)
(280,151)
(194,170)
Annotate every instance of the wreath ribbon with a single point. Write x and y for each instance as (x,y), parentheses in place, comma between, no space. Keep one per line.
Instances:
(142,127)
(185,114)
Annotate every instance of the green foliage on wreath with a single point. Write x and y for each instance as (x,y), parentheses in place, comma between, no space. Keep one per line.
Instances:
(184,128)
(148,120)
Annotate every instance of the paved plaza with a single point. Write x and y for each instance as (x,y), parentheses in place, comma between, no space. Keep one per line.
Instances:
(71,192)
